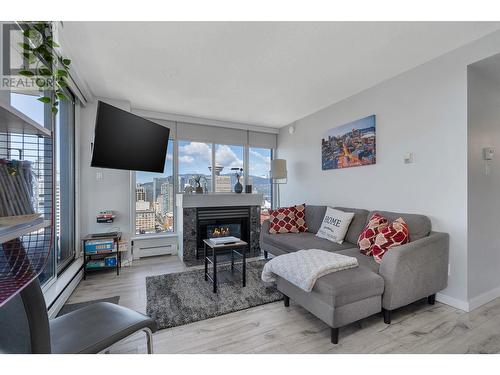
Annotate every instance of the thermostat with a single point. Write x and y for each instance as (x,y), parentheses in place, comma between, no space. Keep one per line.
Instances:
(488,153)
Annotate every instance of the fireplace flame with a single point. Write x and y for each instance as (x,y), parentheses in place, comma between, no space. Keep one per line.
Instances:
(220,232)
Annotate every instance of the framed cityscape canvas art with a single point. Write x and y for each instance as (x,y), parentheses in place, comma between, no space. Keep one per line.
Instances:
(349,145)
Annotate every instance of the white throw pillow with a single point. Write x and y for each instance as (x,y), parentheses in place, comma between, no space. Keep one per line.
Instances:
(335,224)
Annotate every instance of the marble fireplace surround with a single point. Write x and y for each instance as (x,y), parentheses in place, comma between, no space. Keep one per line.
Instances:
(187,206)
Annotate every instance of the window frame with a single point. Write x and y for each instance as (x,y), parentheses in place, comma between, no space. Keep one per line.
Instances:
(61,267)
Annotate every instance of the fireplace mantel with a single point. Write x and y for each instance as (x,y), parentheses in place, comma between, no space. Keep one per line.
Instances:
(218,200)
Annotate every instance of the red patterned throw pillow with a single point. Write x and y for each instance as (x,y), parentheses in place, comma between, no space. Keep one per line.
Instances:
(300,217)
(366,239)
(282,220)
(391,236)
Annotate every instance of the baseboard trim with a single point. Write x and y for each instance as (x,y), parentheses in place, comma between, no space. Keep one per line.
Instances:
(453,302)
(484,298)
(64,296)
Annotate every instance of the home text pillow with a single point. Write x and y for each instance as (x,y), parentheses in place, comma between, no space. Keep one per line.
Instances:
(300,217)
(391,236)
(335,225)
(366,239)
(282,220)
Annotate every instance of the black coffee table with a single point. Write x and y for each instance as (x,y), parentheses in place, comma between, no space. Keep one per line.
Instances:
(238,249)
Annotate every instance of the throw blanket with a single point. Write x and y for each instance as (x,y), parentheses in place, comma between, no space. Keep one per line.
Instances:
(304,267)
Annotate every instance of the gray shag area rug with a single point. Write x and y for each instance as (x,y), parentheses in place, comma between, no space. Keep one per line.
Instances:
(69,307)
(181,298)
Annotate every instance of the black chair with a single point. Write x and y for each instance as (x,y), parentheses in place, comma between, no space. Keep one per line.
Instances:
(26,328)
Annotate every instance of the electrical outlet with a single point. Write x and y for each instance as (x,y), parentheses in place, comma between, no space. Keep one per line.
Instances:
(408,158)
(98,176)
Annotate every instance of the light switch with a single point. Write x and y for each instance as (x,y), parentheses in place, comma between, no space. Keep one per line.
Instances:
(408,159)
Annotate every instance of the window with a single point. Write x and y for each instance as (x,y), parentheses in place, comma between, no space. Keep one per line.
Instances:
(64,214)
(155,192)
(39,151)
(259,166)
(227,157)
(195,165)
(154,198)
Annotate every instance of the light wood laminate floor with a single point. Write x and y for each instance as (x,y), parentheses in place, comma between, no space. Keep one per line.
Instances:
(272,328)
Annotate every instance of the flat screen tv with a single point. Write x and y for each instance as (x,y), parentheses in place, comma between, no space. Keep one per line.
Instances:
(125,141)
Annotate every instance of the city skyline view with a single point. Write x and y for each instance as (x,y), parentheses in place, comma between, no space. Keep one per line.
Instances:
(196,157)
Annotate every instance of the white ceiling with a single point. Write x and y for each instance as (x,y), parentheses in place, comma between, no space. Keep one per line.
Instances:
(264,73)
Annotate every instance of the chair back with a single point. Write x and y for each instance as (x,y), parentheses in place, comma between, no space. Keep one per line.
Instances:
(24,323)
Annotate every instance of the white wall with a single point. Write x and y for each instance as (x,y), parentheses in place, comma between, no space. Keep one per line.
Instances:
(483,186)
(423,111)
(112,192)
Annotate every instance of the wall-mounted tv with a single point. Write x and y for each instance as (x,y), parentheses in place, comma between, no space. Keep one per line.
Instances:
(125,141)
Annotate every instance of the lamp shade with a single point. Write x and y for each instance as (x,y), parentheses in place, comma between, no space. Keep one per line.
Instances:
(278,169)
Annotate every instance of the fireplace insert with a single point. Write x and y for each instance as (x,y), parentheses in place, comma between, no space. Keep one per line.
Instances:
(223,230)
(221,222)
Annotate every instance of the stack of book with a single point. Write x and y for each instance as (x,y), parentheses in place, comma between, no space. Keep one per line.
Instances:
(224,240)
(99,246)
(106,217)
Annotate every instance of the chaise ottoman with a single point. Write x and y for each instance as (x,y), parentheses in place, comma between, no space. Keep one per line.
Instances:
(339,298)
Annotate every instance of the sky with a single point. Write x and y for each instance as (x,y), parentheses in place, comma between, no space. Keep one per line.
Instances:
(29,105)
(363,123)
(196,157)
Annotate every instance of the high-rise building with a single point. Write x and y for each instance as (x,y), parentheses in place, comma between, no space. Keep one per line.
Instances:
(145,221)
(142,205)
(140,193)
(167,197)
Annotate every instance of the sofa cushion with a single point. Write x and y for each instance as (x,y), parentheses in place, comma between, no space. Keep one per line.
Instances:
(357,224)
(282,220)
(335,225)
(349,286)
(418,225)
(302,241)
(314,217)
(363,260)
(300,217)
(395,234)
(366,239)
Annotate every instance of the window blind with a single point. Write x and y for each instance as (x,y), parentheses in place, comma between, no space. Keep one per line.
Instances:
(223,135)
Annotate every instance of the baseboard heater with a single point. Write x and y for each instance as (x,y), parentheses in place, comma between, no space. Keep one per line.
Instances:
(153,247)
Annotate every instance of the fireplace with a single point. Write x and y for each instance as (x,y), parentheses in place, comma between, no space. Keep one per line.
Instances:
(221,222)
(199,215)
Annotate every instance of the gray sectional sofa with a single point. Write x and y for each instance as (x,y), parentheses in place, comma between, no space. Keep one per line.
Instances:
(406,274)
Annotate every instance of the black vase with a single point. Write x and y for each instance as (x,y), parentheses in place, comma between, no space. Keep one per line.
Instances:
(238,187)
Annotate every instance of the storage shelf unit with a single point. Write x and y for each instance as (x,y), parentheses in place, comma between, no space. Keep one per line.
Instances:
(89,256)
